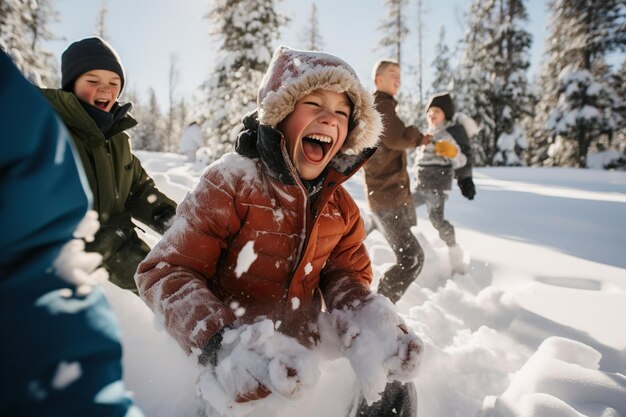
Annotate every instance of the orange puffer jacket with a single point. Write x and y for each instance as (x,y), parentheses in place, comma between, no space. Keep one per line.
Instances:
(249,242)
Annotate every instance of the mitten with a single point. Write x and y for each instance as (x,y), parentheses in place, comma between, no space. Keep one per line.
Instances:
(163,217)
(446,148)
(468,189)
(254,361)
(378,345)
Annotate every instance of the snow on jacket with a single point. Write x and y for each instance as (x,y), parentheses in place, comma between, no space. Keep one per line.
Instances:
(386,175)
(121,187)
(249,241)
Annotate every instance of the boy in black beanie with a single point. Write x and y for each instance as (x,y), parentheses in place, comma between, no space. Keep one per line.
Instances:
(92,78)
(436,164)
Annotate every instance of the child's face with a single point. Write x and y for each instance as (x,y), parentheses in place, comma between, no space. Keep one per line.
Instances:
(435,116)
(99,88)
(389,80)
(315,131)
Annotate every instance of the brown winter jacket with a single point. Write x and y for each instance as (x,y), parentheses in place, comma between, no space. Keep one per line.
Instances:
(250,242)
(386,175)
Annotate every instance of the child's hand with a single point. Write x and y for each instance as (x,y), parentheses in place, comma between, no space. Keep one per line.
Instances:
(426,139)
(446,148)
(404,365)
(378,344)
(254,361)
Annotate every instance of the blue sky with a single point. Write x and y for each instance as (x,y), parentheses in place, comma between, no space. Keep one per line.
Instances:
(147,32)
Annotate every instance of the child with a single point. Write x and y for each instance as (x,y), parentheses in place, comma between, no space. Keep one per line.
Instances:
(269,235)
(92,77)
(387,180)
(191,140)
(49,325)
(437,163)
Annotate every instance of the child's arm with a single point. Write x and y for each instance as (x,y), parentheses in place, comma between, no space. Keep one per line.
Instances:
(448,148)
(396,134)
(173,279)
(147,203)
(460,136)
(347,275)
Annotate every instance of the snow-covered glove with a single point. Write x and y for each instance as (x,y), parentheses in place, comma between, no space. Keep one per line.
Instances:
(446,148)
(378,344)
(253,361)
(468,189)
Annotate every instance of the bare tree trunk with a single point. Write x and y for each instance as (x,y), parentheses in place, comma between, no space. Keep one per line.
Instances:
(420,61)
(173,80)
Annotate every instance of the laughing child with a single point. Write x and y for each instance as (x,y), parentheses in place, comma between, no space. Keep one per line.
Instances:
(92,78)
(269,236)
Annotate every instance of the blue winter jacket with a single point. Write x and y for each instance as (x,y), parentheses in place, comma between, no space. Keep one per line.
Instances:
(60,355)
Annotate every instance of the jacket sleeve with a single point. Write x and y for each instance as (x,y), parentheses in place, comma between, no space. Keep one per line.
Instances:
(111,236)
(147,203)
(174,278)
(460,136)
(347,275)
(396,135)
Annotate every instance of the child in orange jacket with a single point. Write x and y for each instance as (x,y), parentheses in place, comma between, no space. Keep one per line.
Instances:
(269,236)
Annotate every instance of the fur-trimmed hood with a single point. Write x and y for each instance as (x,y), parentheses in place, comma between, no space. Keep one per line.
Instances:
(293,74)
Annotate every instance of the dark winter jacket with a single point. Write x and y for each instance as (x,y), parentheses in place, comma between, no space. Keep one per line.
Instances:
(386,175)
(251,236)
(44,324)
(121,187)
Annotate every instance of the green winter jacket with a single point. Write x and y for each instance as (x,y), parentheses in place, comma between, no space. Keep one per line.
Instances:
(121,188)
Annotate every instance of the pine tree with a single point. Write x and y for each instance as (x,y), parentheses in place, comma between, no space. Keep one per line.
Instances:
(495,65)
(618,141)
(101,17)
(23,31)
(474,83)
(311,36)
(393,28)
(149,134)
(171,130)
(246,30)
(136,133)
(441,64)
(587,107)
(547,84)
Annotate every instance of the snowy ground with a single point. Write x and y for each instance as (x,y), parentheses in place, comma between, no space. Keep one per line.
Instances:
(536,327)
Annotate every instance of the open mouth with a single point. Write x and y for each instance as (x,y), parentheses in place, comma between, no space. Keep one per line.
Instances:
(101,104)
(316,146)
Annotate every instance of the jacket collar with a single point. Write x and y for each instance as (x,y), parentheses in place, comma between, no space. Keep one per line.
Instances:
(69,108)
(381,95)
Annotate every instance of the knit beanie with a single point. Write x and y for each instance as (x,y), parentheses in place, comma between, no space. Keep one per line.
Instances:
(86,55)
(292,74)
(444,102)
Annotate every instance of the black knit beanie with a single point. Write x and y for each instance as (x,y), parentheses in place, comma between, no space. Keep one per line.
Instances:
(86,55)
(444,102)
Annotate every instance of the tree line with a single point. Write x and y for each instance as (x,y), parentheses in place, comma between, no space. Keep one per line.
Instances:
(574,106)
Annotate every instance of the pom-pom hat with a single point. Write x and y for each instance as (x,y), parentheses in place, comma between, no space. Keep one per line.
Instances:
(292,74)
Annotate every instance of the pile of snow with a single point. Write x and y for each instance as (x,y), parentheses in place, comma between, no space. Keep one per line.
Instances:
(533,328)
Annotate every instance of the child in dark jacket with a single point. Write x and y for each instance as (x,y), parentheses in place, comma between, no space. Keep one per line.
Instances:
(269,236)
(447,156)
(92,79)
(60,353)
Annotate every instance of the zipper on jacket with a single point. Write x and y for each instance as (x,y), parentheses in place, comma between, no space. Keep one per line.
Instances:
(108,147)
